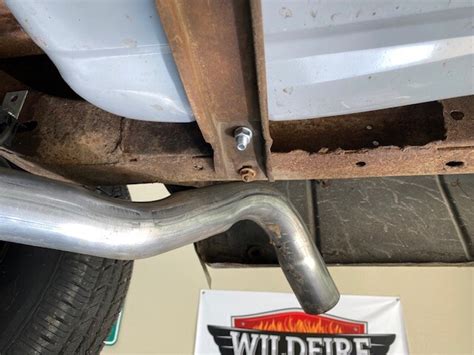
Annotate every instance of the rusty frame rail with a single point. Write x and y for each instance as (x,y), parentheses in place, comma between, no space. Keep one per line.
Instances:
(452,154)
(212,45)
(80,142)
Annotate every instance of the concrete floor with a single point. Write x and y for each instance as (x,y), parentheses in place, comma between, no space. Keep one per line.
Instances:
(161,307)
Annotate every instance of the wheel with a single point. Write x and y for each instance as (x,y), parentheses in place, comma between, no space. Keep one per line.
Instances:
(54,302)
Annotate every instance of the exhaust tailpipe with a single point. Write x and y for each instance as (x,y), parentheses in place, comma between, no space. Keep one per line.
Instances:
(45,213)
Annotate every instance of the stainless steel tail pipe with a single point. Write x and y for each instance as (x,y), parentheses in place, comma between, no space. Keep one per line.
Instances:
(45,213)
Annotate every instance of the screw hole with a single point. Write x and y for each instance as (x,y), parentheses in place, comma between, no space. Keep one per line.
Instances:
(457,115)
(361,164)
(14,98)
(455,164)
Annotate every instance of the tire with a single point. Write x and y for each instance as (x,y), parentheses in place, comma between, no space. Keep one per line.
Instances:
(54,302)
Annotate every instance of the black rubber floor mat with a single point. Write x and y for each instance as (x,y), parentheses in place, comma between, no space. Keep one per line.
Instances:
(422,219)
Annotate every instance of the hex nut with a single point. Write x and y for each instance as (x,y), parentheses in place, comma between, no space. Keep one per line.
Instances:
(243,136)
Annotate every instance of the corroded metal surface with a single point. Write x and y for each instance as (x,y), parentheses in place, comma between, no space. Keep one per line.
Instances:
(405,126)
(14,42)
(452,155)
(27,164)
(213,48)
(459,120)
(83,143)
(382,161)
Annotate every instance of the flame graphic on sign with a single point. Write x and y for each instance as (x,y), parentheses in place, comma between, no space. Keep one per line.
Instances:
(296,321)
(293,325)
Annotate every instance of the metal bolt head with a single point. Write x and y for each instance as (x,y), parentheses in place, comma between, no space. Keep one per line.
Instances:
(243,136)
(247,174)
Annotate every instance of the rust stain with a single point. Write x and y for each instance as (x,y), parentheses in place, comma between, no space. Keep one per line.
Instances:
(14,41)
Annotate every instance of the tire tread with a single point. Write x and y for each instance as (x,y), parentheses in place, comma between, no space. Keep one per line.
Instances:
(78,310)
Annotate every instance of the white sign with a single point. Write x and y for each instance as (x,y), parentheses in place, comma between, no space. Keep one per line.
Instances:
(234,322)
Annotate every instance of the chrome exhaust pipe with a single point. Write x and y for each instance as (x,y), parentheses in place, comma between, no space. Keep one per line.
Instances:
(45,213)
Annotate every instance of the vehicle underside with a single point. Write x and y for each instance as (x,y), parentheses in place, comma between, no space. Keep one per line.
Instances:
(390,183)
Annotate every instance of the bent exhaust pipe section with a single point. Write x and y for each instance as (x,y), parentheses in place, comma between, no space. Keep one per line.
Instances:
(45,213)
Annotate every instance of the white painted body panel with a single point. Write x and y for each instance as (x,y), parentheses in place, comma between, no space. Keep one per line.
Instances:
(113,53)
(333,57)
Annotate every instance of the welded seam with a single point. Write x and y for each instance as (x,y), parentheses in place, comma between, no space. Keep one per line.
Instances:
(461,231)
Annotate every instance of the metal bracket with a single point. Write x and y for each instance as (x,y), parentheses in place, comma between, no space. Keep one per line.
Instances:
(13,102)
(213,48)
